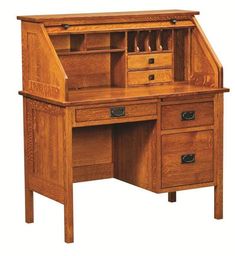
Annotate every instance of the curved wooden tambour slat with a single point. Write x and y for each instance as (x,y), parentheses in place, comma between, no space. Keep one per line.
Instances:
(43,74)
(206,68)
(118,26)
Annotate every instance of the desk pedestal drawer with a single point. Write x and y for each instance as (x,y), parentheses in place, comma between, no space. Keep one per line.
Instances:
(108,114)
(187,115)
(187,158)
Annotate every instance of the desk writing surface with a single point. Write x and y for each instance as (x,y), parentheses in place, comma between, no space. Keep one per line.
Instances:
(117,94)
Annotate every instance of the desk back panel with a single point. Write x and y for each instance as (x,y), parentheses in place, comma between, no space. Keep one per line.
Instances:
(135,153)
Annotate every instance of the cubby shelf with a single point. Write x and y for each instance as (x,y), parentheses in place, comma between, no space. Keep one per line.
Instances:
(94,51)
(149,52)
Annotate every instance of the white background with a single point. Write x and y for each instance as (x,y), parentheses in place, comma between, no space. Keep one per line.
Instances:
(111,217)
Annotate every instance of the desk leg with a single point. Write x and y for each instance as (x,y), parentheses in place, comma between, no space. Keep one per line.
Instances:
(172,197)
(29,218)
(68,215)
(68,179)
(218,159)
(218,204)
(28,205)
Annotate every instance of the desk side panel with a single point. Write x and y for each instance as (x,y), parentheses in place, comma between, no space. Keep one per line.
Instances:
(45,144)
(206,68)
(43,74)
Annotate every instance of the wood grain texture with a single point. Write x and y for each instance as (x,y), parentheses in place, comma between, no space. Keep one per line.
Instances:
(45,130)
(174,172)
(48,166)
(92,172)
(142,61)
(109,17)
(28,164)
(68,178)
(172,115)
(92,146)
(81,75)
(59,30)
(99,114)
(134,156)
(104,96)
(218,159)
(43,74)
(136,78)
(210,55)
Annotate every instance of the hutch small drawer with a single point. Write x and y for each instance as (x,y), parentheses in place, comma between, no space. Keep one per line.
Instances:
(149,76)
(187,158)
(142,61)
(187,115)
(115,113)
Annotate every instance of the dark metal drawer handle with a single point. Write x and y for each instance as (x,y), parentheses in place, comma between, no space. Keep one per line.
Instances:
(151,61)
(188,159)
(117,111)
(173,21)
(188,115)
(65,26)
(151,77)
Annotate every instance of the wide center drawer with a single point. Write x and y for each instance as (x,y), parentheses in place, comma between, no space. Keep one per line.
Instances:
(187,158)
(141,61)
(149,76)
(115,113)
(187,115)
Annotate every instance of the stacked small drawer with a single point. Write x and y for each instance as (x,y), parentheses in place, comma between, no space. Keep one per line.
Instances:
(149,68)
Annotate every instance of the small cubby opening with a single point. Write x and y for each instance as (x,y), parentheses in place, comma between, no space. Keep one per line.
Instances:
(92,59)
(150,41)
(88,42)
(94,70)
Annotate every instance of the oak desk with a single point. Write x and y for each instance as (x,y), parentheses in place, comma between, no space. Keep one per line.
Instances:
(137,96)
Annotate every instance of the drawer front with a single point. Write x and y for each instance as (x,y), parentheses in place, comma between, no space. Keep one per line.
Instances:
(116,113)
(149,76)
(187,115)
(149,60)
(187,158)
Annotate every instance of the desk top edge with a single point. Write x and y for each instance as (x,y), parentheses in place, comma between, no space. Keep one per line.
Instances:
(89,97)
(106,16)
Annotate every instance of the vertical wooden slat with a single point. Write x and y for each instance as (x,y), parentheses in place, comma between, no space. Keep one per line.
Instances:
(173,55)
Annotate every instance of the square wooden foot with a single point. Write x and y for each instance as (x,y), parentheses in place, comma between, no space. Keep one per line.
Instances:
(29,218)
(172,197)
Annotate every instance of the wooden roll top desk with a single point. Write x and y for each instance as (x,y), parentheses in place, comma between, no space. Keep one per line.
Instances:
(136,96)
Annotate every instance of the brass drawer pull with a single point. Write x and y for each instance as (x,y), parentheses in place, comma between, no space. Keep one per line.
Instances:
(117,111)
(65,26)
(151,61)
(188,115)
(188,159)
(151,77)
